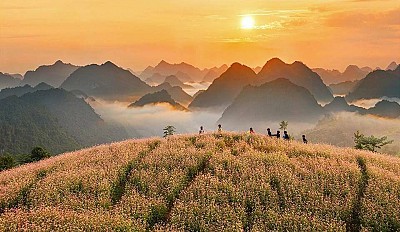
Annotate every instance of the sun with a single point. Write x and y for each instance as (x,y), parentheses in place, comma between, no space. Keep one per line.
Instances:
(247,22)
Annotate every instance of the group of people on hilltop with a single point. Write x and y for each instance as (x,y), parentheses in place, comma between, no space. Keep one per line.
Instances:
(251,131)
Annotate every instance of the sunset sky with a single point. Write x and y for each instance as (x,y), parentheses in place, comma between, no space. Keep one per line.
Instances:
(205,33)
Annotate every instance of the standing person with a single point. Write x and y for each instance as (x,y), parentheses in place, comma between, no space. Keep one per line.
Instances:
(285,135)
(269,132)
(219,128)
(304,139)
(201,131)
(277,135)
(251,130)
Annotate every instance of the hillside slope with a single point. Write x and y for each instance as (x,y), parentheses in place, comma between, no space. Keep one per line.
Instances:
(230,182)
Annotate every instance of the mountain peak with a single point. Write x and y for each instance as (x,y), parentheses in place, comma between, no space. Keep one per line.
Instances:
(109,64)
(58,62)
(274,61)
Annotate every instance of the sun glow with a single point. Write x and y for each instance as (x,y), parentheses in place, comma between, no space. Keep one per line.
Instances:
(247,22)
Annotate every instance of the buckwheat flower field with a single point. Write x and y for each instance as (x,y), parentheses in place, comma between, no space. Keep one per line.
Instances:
(211,182)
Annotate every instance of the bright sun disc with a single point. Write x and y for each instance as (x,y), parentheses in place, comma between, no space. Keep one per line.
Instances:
(247,22)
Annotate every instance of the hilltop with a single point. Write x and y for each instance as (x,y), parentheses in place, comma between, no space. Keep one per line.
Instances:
(232,182)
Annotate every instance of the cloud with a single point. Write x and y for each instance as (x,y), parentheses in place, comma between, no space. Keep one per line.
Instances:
(149,121)
(356,19)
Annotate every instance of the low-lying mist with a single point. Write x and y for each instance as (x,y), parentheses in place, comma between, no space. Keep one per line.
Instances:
(149,121)
(336,129)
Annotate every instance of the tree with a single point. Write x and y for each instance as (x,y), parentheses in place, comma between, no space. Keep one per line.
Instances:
(169,130)
(6,162)
(39,153)
(283,125)
(370,143)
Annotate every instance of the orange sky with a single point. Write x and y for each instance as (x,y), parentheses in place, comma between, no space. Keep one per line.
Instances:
(138,33)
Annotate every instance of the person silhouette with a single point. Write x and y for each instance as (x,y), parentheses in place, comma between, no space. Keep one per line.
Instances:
(304,139)
(201,131)
(251,130)
(278,134)
(219,128)
(285,135)
(269,132)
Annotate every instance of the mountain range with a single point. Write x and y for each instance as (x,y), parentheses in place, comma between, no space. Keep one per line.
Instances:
(106,81)
(351,73)
(276,100)
(53,75)
(377,84)
(185,72)
(225,88)
(297,73)
(21,90)
(55,119)
(7,81)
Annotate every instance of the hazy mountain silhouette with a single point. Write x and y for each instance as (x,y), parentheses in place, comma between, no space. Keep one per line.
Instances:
(392,66)
(377,84)
(197,93)
(106,81)
(277,100)
(53,75)
(339,104)
(24,125)
(183,71)
(176,92)
(175,81)
(225,88)
(76,116)
(257,69)
(15,75)
(351,73)
(385,109)
(329,76)
(161,96)
(7,81)
(21,90)
(214,73)
(342,88)
(297,73)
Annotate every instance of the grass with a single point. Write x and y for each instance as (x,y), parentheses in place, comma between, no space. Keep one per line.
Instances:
(227,182)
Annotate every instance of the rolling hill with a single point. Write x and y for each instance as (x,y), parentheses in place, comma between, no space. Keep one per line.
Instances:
(213,182)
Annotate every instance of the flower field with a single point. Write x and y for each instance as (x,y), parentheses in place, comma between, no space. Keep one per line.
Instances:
(211,182)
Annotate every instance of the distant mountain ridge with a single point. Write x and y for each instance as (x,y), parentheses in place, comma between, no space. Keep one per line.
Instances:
(8,81)
(21,90)
(277,100)
(53,75)
(225,88)
(377,84)
(55,119)
(106,81)
(297,73)
(351,73)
